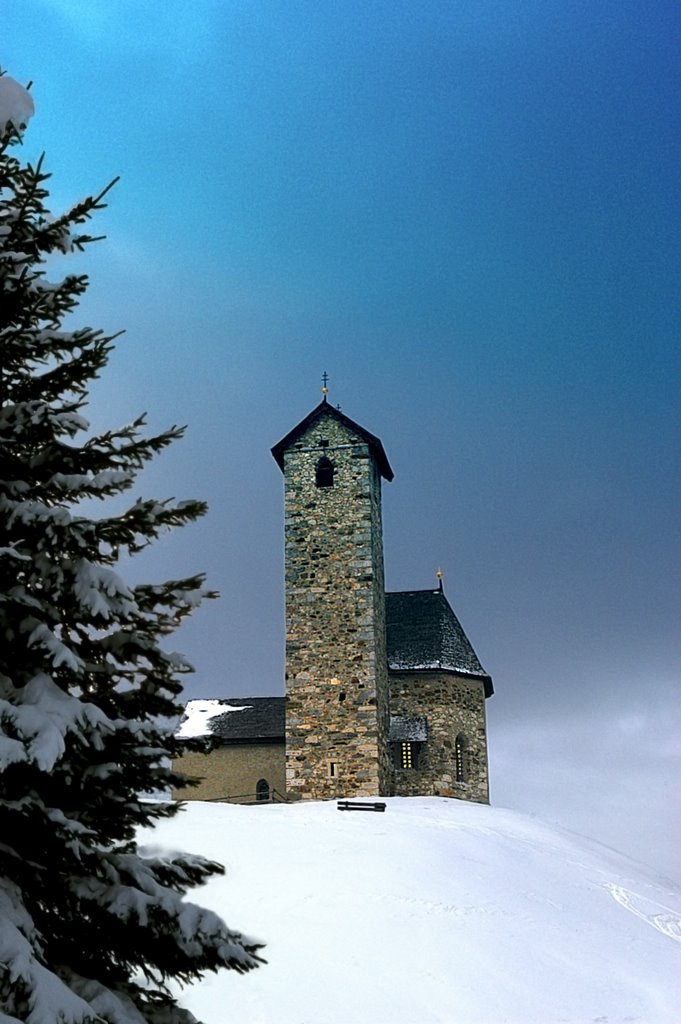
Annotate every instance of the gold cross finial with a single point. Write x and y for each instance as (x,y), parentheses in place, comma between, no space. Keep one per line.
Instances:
(325,381)
(440,576)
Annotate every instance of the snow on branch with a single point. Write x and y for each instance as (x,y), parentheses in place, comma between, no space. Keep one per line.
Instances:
(101,592)
(60,654)
(16,105)
(42,720)
(50,998)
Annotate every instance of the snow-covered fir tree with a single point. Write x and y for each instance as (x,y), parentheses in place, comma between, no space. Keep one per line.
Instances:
(92,926)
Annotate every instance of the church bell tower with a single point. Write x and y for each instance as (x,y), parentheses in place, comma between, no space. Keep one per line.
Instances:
(337,691)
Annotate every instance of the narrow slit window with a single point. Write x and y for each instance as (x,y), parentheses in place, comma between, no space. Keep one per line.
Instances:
(325,472)
(333,770)
(460,759)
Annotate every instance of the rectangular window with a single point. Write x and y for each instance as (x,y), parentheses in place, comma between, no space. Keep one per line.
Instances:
(333,770)
(406,756)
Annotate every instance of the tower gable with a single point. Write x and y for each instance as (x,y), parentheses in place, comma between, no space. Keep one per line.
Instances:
(303,430)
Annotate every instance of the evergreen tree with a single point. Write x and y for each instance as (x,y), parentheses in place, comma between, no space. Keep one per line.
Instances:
(92,926)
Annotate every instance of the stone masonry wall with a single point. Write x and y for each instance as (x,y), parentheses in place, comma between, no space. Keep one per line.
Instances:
(453,705)
(336,674)
(232,772)
(386,787)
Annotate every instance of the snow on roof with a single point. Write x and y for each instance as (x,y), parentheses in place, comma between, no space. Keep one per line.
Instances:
(198,713)
(261,721)
(16,104)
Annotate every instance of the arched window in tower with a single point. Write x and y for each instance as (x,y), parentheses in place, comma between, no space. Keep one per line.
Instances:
(262,790)
(461,758)
(325,471)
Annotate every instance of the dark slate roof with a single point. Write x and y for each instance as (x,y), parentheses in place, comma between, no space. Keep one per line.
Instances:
(424,633)
(262,720)
(324,409)
(408,730)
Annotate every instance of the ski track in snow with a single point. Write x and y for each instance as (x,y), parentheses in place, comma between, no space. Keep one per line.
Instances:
(664,919)
(657,915)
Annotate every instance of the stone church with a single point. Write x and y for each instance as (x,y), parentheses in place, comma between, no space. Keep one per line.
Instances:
(384,692)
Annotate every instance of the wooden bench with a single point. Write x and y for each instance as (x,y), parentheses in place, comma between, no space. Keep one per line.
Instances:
(359,805)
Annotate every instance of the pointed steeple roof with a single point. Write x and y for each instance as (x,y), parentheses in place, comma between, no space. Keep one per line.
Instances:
(423,633)
(322,410)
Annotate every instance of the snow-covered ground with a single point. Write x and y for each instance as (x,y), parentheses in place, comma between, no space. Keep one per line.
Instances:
(435,910)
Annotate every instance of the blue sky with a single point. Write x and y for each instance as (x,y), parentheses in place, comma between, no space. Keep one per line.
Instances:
(468,214)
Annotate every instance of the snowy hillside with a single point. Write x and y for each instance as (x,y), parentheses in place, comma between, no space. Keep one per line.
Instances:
(434,911)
